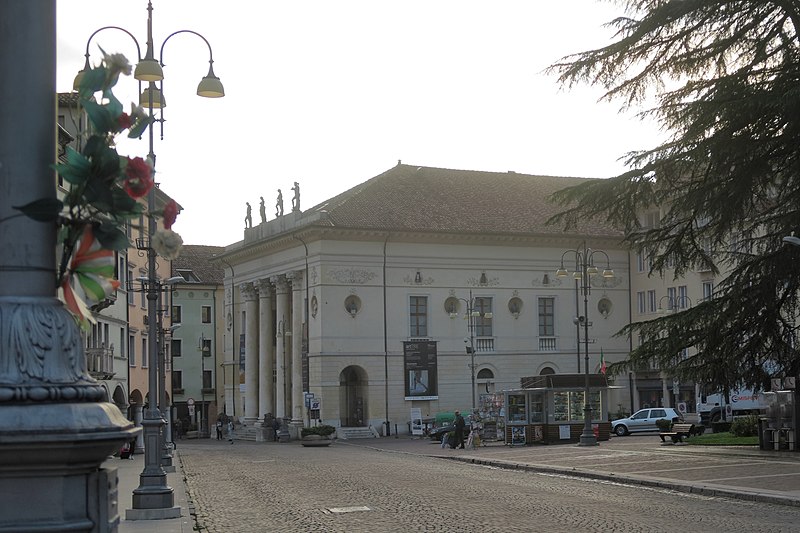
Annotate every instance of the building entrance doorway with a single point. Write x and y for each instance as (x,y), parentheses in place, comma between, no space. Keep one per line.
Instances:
(353,397)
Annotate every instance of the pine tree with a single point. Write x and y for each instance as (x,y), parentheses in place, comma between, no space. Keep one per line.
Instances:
(725,76)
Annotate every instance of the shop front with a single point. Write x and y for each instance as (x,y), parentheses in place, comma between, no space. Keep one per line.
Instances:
(550,409)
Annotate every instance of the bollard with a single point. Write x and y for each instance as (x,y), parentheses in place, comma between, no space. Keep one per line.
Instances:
(395,431)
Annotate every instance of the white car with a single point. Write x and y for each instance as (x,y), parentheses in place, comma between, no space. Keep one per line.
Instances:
(644,420)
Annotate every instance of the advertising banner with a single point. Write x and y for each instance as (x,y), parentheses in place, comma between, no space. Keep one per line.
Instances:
(420,370)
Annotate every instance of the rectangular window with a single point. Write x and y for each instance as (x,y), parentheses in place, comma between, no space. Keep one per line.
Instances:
(639,262)
(483,322)
(176,314)
(683,297)
(708,290)
(640,302)
(547,317)
(131,293)
(132,350)
(177,380)
(143,299)
(144,353)
(652,303)
(206,347)
(672,298)
(418,316)
(206,314)
(177,347)
(208,379)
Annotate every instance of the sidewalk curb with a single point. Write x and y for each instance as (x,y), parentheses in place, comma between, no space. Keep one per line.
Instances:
(688,487)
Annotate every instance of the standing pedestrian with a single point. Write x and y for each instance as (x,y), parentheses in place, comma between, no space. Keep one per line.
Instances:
(230,431)
(219,429)
(459,425)
(276,427)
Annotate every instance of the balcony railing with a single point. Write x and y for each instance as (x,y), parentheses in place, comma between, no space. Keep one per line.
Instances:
(547,344)
(484,344)
(100,362)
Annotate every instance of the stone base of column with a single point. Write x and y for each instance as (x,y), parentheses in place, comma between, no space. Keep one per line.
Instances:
(52,453)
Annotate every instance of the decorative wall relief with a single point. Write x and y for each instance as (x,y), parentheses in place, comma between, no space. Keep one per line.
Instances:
(600,282)
(483,281)
(546,280)
(351,276)
(417,279)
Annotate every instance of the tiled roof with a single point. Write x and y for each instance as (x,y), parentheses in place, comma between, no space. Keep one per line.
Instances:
(197,258)
(414,198)
(67,99)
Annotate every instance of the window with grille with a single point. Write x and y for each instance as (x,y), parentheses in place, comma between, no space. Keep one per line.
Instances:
(418,316)
(483,323)
(547,317)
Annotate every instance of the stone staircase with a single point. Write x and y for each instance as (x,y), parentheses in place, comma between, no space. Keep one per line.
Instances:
(357,433)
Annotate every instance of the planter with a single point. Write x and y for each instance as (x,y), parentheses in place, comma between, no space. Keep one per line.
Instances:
(314,441)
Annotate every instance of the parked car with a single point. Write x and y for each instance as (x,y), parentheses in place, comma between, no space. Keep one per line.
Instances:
(644,420)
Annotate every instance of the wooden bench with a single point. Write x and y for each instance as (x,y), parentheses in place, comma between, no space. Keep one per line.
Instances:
(678,432)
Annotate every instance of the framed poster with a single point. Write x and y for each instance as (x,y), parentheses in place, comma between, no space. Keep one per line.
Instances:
(517,435)
(419,360)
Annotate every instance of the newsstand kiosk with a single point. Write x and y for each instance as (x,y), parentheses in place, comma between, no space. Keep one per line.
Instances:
(549,409)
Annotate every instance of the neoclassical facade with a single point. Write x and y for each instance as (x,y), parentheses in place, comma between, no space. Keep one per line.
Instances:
(421,288)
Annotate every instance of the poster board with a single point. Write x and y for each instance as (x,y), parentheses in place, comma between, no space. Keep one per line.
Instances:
(419,362)
(518,435)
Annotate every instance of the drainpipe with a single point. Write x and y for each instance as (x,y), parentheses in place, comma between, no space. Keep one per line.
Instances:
(385,347)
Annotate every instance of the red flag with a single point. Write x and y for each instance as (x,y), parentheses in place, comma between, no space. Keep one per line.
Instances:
(602,363)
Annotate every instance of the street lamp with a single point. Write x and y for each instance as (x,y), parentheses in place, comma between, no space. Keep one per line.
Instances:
(584,270)
(283,432)
(153,491)
(675,304)
(471,316)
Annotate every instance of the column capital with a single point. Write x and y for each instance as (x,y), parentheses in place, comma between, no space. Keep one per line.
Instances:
(281,284)
(264,287)
(296,277)
(248,290)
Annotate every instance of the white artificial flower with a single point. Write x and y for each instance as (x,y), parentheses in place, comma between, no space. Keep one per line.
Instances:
(167,244)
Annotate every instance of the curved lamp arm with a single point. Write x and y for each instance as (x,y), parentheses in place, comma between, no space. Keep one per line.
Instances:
(210,86)
(77,82)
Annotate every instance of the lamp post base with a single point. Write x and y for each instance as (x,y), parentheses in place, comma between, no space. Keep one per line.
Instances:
(588,440)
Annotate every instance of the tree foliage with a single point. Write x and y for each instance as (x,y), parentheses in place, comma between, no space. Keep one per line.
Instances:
(725,76)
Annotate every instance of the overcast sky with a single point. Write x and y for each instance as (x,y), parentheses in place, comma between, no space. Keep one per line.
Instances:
(332,93)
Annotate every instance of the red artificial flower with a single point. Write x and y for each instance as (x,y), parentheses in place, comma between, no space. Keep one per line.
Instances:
(124,121)
(139,177)
(170,214)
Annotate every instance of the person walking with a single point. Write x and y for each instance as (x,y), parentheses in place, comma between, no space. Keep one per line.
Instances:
(459,425)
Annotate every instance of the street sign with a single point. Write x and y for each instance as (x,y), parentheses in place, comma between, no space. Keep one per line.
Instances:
(315,404)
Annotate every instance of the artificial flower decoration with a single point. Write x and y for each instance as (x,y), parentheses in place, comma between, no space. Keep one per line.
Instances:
(138,177)
(102,196)
(167,244)
(170,214)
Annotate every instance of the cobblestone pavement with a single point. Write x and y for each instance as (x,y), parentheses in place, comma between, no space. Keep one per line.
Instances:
(284,487)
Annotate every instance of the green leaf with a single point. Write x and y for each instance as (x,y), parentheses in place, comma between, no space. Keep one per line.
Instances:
(93,80)
(100,117)
(111,237)
(42,210)
(76,169)
(114,106)
(139,127)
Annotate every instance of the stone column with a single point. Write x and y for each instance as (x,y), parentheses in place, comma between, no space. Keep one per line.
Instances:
(250,297)
(266,353)
(57,424)
(281,308)
(298,403)
(137,421)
